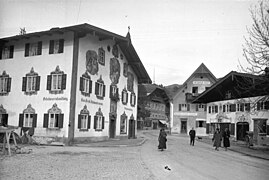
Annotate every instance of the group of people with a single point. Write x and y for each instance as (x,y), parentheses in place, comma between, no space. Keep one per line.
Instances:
(217,138)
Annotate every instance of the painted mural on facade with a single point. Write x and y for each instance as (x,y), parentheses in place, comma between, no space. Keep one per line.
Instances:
(114,70)
(92,62)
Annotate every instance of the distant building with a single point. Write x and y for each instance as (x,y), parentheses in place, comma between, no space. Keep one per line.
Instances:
(76,83)
(185,114)
(156,102)
(235,103)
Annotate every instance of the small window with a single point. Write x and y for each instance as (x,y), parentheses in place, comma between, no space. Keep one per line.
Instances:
(194,90)
(100,89)
(7,52)
(99,121)
(124,96)
(133,99)
(28,118)
(33,49)
(183,107)
(31,83)
(54,118)
(5,83)
(56,46)
(84,119)
(228,95)
(56,81)
(85,85)
(101,56)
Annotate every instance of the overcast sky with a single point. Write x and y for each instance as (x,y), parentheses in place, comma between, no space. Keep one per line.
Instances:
(171,37)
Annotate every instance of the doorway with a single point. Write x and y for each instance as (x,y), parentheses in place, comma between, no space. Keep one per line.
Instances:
(131,134)
(112,126)
(241,129)
(183,129)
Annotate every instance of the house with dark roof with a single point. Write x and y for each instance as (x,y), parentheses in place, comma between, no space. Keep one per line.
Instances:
(184,114)
(75,83)
(154,100)
(239,102)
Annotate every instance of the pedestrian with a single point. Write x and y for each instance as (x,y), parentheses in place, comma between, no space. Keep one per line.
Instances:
(217,139)
(226,136)
(192,136)
(162,140)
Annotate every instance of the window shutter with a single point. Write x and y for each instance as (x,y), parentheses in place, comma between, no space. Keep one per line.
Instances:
(224,108)
(209,109)
(122,94)
(95,122)
(197,107)
(110,92)
(39,48)
(61,120)
(26,53)
(34,120)
(24,80)
(89,122)
(205,107)
(117,93)
(266,106)
(267,130)
(90,86)
(46,121)
(104,90)
(179,107)
(233,107)
(79,121)
(51,48)
(103,122)
(96,88)
(61,45)
(258,106)
(21,116)
(11,51)
(81,88)
(37,85)
(134,99)
(188,107)
(8,84)
(49,82)
(127,97)
(216,109)
(63,82)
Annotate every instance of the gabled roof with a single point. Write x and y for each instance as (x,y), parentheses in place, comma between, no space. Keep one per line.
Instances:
(202,69)
(82,29)
(147,90)
(242,85)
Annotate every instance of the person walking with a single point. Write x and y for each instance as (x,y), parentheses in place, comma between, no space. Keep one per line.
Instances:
(162,140)
(217,139)
(226,136)
(192,136)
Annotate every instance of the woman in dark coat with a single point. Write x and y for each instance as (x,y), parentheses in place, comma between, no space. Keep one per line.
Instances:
(217,139)
(226,136)
(162,140)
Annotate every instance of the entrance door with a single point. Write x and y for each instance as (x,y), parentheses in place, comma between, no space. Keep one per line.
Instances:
(183,126)
(112,127)
(241,129)
(131,134)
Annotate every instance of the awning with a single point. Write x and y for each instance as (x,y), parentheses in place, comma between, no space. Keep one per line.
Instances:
(163,122)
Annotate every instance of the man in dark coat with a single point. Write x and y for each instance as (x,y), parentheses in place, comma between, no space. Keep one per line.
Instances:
(192,136)
(226,136)
(217,139)
(162,140)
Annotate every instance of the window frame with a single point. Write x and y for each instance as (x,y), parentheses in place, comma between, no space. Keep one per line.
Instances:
(123,123)
(101,56)
(53,44)
(7,52)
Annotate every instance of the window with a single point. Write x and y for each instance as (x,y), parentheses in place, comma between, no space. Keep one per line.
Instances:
(85,85)
(33,49)
(124,96)
(3,116)
(7,52)
(5,83)
(184,107)
(262,105)
(31,83)
(194,90)
(84,119)
(213,109)
(56,81)
(99,121)
(123,124)
(201,124)
(54,118)
(240,107)
(56,46)
(100,89)
(114,92)
(28,118)
(133,99)
(228,95)
(101,56)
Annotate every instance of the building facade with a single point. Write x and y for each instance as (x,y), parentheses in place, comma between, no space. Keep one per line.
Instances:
(77,83)
(230,107)
(185,114)
(156,102)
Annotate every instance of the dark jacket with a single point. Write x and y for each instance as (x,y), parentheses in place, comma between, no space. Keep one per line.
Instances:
(162,140)
(192,133)
(226,136)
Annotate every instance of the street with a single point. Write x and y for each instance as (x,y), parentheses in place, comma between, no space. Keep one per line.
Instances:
(181,160)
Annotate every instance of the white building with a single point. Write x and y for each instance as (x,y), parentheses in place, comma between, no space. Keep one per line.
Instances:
(240,109)
(77,83)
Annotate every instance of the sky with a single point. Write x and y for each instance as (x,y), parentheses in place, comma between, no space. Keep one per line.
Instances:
(171,37)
